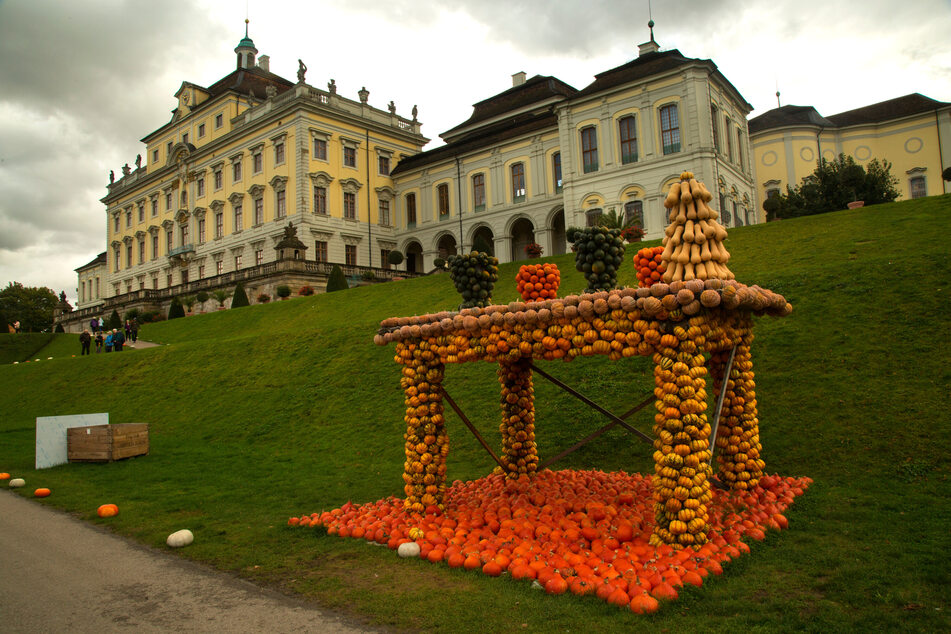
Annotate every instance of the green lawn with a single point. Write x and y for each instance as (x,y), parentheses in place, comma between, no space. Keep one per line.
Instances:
(285,408)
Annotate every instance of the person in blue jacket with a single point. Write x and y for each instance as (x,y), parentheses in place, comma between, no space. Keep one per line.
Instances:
(117,340)
(108,342)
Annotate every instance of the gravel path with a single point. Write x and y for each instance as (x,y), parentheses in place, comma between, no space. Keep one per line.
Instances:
(58,574)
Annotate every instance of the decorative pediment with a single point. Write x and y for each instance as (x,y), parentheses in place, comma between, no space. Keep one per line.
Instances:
(256,190)
(321,179)
(199,212)
(116,243)
(234,158)
(279,183)
(257,148)
(386,192)
(351,185)
(139,234)
(387,244)
(317,234)
(320,134)
(238,250)
(351,239)
(182,216)
(168,224)
(218,205)
(772,183)
(917,171)
(236,198)
(153,229)
(127,239)
(218,257)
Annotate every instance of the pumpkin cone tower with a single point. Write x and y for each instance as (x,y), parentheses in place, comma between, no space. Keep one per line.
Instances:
(693,241)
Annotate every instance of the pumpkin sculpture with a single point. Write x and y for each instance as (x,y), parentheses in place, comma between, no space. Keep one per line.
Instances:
(650,266)
(538,282)
(693,242)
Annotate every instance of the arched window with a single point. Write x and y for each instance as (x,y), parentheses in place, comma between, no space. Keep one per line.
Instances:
(670,129)
(410,211)
(478,191)
(518,182)
(589,149)
(628,131)
(591,217)
(634,212)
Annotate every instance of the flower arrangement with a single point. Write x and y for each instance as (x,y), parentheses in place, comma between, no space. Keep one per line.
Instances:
(534,250)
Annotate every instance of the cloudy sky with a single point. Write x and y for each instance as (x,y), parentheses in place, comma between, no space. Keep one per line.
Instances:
(82,82)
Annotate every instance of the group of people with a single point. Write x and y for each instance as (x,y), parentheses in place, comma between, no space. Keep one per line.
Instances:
(112,341)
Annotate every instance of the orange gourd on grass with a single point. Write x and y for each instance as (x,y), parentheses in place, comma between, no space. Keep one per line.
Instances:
(538,282)
(42,493)
(107,510)
(4,476)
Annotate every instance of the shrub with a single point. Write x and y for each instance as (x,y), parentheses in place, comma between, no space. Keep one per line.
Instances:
(150,316)
(395,258)
(59,328)
(264,298)
(337,280)
(534,250)
(176,310)
(283,291)
(202,297)
(221,296)
(114,321)
(834,184)
(439,263)
(368,276)
(946,174)
(306,290)
(188,301)
(132,314)
(240,298)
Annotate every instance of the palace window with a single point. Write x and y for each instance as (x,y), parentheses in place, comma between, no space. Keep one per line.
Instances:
(634,212)
(185,138)
(201,271)
(716,127)
(219,267)
(628,131)
(236,170)
(169,236)
(281,204)
(142,251)
(384,219)
(320,250)
(279,153)
(155,252)
(201,231)
(259,257)
(116,257)
(237,262)
(155,155)
(115,223)
(385,258)
(518,182)
(350,254)
(410,210)
(128,256)
(218,179)
(350,205)
(739,148)
(155,206)
(918,186)
(168,280)
(384,165)
(128,218)
(238,218)
(168,200)
(478,192)
(350,156)
(219,121)
(201,130)
(320,200)
(320,149)
(219,224)
(141,212)
(556,170)
(257,162)
(670,129)
(200,186)
(442,194)
(589,149)
(591,217)
(258,211)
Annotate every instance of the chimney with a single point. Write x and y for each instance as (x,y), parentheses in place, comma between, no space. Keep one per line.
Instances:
(264,63)
(518,78)
(647,47)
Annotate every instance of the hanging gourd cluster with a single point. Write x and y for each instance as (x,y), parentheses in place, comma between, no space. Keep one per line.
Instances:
(474,275)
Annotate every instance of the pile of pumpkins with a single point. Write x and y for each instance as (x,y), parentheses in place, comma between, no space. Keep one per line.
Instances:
(538,282)
(599,252)
(474,275)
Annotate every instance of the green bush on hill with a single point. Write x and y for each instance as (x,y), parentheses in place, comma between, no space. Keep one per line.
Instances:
(114,321)
(176,310)
(240,298)
(337,280)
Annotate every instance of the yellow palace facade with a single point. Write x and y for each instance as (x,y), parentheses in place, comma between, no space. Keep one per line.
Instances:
(912,132)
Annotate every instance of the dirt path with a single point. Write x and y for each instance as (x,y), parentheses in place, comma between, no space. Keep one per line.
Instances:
(58,574)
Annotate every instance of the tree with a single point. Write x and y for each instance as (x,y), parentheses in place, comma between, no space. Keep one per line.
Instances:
(395,258)
(337,280)
(834,184)
(221,296)
(31,306)
(946,174)
(114,321)
(189,301)
(240,298)
(630,230)
(202,297)
(176,310)
(283,291)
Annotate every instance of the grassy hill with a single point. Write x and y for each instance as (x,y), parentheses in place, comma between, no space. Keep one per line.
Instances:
(280,409)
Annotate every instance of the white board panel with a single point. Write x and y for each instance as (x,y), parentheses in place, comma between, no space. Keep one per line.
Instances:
(51,436)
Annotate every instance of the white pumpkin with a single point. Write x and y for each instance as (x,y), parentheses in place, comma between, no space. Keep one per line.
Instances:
(409,549)
(180,538)
(16,483)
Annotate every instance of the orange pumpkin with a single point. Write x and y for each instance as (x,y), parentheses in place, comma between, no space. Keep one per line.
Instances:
(4,476)
(42,493)
(107,510)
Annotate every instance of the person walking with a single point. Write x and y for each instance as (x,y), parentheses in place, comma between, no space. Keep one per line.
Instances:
(94,325)
(108,342)
(99,340)
(128,330)
(117,340)
(85,339)
(102,324)
(135,330)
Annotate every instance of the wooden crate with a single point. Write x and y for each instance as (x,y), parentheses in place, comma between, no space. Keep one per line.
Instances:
(105,443)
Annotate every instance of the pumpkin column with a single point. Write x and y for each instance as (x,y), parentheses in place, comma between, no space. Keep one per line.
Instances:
(737,441)
(682,446)
(519,452)
(427,441)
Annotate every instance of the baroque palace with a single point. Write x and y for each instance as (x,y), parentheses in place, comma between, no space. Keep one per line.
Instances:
(253,153)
